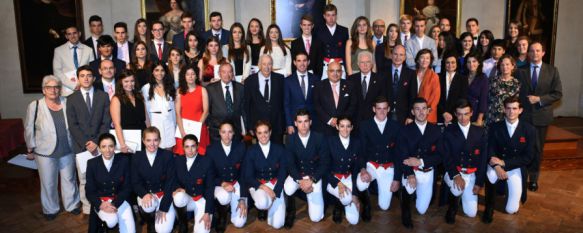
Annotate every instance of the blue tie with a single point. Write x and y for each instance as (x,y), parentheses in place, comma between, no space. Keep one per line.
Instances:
(534,78)
(75,59)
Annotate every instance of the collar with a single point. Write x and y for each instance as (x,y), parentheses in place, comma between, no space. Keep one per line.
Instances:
(344,140)
(464,128)
(367,75)
(108,162)
(261,76)
(512,125)
(380,122)
(71,45)
(375,38)
(331,27)
(106,82)
(397,68)
(226,145)
(83,91)
(306,137)
(151,154)
(191,159)
(227,84)
(220,31)
(307,37)
(300,74)
(539,65)
(122,44)
(107,58)
(158,42)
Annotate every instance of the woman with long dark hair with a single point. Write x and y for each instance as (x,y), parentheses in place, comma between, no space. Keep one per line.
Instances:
(278,50)
(238,53)
(360,40)
(255,39)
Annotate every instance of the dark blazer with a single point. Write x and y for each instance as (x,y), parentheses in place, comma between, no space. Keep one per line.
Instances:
(381,147)
(228,168)
(157,178)
(130,50)
(86,126)
(199,180)
(218,108)
(457,90)
(412,143)
(334,46)
(179,42)
(258,169)
(118,64)
(460,152)
(312,160)
(89,42)
(344,161)
(315,54)
(154,52)
(376,87)
(257,107)
(101,183)
(325,107)
(382,63)
(225,34)
(293,97)
(549,89)
(406,90)
(478,95)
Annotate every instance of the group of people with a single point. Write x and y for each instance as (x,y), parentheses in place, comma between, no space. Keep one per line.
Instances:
(349,112)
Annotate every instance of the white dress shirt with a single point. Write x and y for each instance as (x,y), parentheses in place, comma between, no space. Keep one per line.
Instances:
(488,65)
(380,124)
(107,85)
(304,139)
(511,127)
(230,84)
(537,70)
(402,35)
(420,41)
(125,50)
(367,79)
(108,162)
(220,32)
(84,92)
(421,126)
(465,129)
(307,38)
(151,157)
(305,81)
(331,29)
(265,148)
(375,39)
(345,141)
(189,162)
(262,84)
(227,148)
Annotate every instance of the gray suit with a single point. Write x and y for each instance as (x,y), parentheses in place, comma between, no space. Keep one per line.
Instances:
(218,109)
(412,46)
(83,125)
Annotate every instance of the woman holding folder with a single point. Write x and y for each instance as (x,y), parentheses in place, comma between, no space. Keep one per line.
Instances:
(191,105)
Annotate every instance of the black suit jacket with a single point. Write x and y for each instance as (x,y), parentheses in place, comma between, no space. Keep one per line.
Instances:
(84,125)
(130,50)
(406,91)
(256,106)
(315,54)
(158,177)
(325,107)
(312,160)
(115,183)
(334,46)
(89,42)
(154,52)
(411,143)
(199,180)
(225,34)
(119,65)
(381,148)
(457,90)
(376,87)
(218,108)
(549,89)
(470,152)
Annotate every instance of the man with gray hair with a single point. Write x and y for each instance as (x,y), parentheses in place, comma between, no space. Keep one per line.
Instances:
(368,85)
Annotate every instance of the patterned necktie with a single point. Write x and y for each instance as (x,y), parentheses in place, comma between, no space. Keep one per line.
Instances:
(88,101)
(405,39)
(228,100)
(395,83)
(308,45)
(364,87)
(534,78)
(110,91)
(303,86)
(160,51)
(75,59)
(266,90)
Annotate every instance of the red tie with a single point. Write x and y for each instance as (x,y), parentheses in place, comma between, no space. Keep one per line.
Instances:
(308,46)
(160,51)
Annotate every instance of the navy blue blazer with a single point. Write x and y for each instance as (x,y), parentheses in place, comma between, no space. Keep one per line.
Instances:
(376,87)
(118,64)
(256,106)
(334,46)
(101,183)
(199,180)
(178,41)
(422,146)
(380,147)
(152,179)
(257,168)
(228,168)
(467,153)
(345,161)
(312,160)
(293,98)
(325,107)
(130,50)
(225,34)
(401,94)
(516,151)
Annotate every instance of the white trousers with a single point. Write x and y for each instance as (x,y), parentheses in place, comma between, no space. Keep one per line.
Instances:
(384,178)
(424,189)
(276,208)
(231,198)
(182,199)
(167,225)
(350,209)
(50,171)
(123,216)
(514,187)
(86,205)
(469,199)
(315,198)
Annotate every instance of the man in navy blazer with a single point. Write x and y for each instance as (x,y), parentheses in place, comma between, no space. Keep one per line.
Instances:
(105,45)
(309,44)
(299,91)
(123,49)
(333,38)
(217,30)
(179,40)
(159,49)
(371,86)
(400,89)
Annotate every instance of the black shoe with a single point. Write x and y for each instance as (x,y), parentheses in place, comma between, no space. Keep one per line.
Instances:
(450,216)
(406,209)
(337,213)
(262,215)
(50,217)
(488,214)
(76,211)
(182,220)
(221,218)
(290,212)
(364,198)
(452,210)
(533,186)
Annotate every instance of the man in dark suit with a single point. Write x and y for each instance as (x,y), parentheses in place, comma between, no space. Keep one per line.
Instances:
(400,89)
(371,86)
(106,45)
(540,88)
(453,87)
(308,44)
(299,91)
(107,81)
(263,99)
(96,29)
(333,98)
(178,40)
(88,117)
(159,48)
(124,49)
(333,38)
(225,103)
(217,30)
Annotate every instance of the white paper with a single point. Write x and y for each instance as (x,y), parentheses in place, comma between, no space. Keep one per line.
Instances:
(20,160)
(132,137)
(190,127)
(82,159)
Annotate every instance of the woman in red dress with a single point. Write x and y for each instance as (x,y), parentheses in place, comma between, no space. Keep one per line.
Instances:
(191,104)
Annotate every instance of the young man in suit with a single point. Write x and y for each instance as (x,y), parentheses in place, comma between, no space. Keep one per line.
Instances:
(159,48)
(299,91)
(217,30)
(308,44)
(88,117)
(453,87)
(333,38)
(419,41)
(417,147)
(540,88)
(473,27)
(124,49)
(465,159)
(405,24)
(334,97)
(68,58)
(106,45)
(378,29)
(263,99)
(400,89)
(490,64)
(179,40)
(307,165)
(96,29)
(511,148)
(226,103)
(371,86)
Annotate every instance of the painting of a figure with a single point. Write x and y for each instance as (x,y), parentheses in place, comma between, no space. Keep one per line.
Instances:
(433,10)
(169,12)
(288,14)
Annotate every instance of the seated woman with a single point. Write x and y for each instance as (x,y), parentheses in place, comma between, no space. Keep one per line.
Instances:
(194,186)
(265,173)
(108,187)
(152,176)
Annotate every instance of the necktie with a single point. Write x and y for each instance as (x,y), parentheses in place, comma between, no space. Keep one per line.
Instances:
(160,51)
(110,91)
(303,86)
(395,83)
(364,87)
(266,90)
(493,71)
(534,78)
(308,46)
(378,42)
(405,39)
(75,59)
(336,97)
(218,36)
(228,100)
(88,101)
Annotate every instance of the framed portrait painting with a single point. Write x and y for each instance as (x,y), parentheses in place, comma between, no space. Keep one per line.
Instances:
(434,10)
(169,12)
(287,14)
(41,28)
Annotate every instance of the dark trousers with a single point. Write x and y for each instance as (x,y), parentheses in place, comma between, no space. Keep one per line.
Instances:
(534,167)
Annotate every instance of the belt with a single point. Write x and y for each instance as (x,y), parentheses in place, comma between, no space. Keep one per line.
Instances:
(466,170)
(329,60)
(107,199)
(272,181)
(422,170)
(159,194)
(196,198)
(385,165)
(342,175)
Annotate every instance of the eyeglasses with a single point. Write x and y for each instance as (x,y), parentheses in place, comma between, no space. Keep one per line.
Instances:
(53,87)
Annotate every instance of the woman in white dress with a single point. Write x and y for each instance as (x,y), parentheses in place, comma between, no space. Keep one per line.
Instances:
(278,50)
